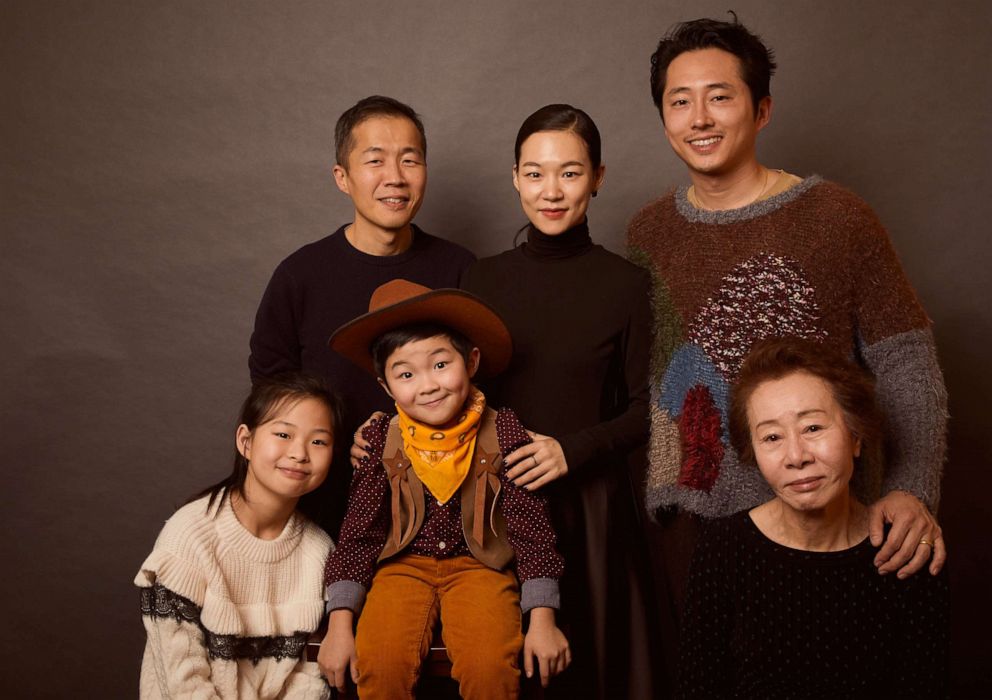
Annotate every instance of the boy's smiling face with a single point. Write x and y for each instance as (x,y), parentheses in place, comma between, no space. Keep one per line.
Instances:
(429,379)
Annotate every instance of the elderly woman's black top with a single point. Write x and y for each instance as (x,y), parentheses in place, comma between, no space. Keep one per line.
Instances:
(762,620)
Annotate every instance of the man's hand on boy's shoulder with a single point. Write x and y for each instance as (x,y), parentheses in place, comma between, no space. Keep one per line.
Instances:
(360,445)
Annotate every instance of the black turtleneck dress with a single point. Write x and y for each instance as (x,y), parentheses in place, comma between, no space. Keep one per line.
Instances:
(580,320)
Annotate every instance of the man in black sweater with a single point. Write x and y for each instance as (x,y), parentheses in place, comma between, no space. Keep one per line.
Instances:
(381,164)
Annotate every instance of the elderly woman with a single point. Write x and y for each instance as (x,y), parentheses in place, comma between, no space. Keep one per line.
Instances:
(784,600)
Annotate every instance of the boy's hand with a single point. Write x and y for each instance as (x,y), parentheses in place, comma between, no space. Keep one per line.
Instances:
(537,463)
(337,657)
(546,642)
(360,446)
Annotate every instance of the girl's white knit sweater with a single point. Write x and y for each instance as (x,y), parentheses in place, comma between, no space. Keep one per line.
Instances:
(228,614)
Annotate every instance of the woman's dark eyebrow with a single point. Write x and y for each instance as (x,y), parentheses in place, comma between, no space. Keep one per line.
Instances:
(563,165)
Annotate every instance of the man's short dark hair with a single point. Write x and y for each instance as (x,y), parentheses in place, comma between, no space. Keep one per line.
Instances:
(390,341)
(370,107)
(757,60)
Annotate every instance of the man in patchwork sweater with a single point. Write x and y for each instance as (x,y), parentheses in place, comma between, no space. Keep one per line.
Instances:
(747,252)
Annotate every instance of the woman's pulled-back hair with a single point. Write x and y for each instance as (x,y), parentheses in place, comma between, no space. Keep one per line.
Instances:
(560,117)
(269,396)
(852,387)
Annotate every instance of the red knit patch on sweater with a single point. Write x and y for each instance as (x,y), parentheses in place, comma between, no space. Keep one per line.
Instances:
(699,426)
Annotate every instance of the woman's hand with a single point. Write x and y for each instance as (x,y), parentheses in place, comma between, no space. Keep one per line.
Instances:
(546,642)
(914,537)
(360,446)
(537,463)
(337,657)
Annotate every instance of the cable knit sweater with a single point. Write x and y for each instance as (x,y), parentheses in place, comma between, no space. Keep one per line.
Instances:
(228,614)
(815,262)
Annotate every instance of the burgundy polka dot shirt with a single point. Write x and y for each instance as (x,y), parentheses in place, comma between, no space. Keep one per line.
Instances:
(368,520)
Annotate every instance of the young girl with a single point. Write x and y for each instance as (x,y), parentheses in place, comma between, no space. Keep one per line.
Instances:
(233,587)
(580,319)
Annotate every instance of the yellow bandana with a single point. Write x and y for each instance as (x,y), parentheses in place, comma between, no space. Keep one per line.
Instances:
(442,458)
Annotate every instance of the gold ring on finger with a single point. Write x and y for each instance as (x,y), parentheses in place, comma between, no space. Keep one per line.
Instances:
(927,542)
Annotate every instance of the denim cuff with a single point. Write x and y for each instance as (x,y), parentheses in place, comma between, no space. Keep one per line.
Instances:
(346,594)
(539,593)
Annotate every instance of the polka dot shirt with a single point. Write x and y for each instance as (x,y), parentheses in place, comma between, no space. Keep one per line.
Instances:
(367,522)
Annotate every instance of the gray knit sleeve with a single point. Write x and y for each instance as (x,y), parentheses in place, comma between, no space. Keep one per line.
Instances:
(539,593)
(346,594)
(911,393)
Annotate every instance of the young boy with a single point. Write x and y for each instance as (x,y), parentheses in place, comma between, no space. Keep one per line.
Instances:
(433,524)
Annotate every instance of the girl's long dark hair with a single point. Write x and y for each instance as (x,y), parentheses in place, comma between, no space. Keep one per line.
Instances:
(266,398)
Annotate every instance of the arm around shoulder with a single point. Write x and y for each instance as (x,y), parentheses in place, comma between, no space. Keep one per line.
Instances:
(910,389)
(895,340)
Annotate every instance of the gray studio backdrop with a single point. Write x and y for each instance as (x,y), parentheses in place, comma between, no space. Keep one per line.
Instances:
(159,159)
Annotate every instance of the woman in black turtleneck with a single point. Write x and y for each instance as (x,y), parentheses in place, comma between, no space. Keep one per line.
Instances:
(580,320)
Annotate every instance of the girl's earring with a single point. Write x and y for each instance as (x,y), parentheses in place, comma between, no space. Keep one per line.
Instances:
(594,194)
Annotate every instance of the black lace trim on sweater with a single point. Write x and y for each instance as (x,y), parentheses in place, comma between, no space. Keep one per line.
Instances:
(158,601)
(230,647)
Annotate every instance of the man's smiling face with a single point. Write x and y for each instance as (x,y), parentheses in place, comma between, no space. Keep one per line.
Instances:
(386,173)
(708,113)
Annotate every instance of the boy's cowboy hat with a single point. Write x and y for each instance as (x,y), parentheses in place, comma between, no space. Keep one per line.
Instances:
(400,303)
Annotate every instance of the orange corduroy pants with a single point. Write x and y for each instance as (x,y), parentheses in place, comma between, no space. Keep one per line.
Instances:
(479,609)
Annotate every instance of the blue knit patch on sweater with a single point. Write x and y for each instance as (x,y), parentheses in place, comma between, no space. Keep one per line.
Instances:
(688,368)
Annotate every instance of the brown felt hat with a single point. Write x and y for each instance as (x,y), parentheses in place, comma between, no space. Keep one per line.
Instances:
(400,303)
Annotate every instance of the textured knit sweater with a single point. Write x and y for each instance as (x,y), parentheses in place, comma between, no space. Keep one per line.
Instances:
(227,614)
(766,621)
(815,262)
